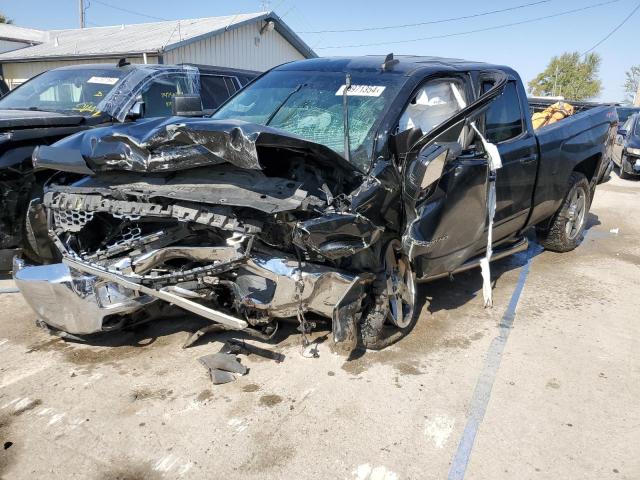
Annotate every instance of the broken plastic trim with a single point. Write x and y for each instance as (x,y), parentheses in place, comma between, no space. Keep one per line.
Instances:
(336,235)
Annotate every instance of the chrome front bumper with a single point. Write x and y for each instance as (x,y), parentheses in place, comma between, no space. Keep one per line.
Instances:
(83,298)
(74,302)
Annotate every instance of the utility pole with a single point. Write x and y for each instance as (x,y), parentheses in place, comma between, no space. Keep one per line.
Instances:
(555,82)
(81,11)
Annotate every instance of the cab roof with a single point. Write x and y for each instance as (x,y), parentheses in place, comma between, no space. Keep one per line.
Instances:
(406,65)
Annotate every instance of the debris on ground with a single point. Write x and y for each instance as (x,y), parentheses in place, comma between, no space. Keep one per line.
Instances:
(239,346)
(222,366)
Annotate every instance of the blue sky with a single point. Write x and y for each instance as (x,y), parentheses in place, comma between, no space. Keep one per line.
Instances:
(526,47)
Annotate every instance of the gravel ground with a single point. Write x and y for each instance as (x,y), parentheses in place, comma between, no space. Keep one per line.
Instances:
(551,392)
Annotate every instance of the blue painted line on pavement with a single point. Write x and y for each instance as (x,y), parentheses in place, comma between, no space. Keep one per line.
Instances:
(482,392)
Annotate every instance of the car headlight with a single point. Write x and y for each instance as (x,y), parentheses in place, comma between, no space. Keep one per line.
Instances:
(634,151)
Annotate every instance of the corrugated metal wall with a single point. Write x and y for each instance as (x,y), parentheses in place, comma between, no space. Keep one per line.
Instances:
(17,73)
(243,47)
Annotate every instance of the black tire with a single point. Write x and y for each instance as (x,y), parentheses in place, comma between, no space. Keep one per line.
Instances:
(375,338)
(621,173)
(563,236)
(380,326)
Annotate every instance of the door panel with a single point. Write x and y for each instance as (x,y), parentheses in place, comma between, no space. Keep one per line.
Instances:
(452,219)
(518,148)
(447,218)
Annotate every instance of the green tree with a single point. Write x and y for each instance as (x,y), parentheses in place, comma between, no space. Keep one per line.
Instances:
(4,19)
(631,83)
(569,76)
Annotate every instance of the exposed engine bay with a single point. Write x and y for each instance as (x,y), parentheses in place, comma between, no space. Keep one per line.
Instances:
(238,223)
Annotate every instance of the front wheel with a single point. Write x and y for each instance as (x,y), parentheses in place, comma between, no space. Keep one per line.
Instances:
(394,314)
(569,222)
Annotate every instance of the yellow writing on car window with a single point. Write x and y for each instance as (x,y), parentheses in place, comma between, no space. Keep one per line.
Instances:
(85,107)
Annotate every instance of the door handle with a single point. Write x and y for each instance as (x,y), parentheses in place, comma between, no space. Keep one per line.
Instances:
(529,159)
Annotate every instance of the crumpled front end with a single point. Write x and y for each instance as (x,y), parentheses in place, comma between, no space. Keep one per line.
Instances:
(242,247)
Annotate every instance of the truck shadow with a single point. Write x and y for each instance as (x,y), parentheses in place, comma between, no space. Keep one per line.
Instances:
(445,294)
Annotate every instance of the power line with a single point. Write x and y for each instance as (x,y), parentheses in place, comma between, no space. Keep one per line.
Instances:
(129,11)
(504,25)
(432,22)
(613,31)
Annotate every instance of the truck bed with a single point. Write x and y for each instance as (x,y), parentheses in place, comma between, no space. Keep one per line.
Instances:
(578,139)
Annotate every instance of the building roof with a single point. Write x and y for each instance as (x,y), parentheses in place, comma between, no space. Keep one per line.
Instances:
(150,38)
(14,33)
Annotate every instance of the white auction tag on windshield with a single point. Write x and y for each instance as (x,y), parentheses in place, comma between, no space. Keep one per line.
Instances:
(362,90)
(103,80)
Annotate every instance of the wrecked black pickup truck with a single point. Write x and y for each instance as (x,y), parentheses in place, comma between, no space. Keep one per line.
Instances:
(66,100)
(321,192)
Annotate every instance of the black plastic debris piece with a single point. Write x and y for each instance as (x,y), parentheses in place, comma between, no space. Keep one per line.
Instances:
(222,367)
(223,361)
(238,346)
(218,377)
(194,337)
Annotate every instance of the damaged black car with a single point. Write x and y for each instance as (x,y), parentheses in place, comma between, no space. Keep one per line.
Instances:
(321,192)
(66,100)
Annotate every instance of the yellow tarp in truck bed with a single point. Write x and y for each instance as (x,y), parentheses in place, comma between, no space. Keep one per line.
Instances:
(552,114)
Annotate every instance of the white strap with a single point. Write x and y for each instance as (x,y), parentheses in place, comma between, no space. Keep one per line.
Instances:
(494,163)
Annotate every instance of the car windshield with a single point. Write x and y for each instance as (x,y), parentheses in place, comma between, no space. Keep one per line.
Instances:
(625,113)
(309,104)
(69,90)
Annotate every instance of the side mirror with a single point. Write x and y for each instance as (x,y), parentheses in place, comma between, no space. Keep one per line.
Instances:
(187,106)
(425,170)
(622,131)
(137,110)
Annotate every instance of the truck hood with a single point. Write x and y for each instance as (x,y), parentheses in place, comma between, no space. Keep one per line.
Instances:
(176,143)
(14,119)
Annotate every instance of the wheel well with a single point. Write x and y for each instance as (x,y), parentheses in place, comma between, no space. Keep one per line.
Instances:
(589,166)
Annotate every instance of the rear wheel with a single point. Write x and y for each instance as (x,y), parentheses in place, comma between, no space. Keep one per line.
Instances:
(394,314)
(568,225)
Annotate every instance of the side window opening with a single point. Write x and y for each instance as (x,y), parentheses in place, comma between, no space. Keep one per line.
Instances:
(503,119)
(214,90)
(434,103)
(231,85)
(158,95)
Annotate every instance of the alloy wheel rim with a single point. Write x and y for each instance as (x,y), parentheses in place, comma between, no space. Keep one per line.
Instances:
(576,213)
(400,286)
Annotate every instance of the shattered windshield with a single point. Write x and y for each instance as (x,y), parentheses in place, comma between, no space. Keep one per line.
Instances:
(71,91)
(309,104)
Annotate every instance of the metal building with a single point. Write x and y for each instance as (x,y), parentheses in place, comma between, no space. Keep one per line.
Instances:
(13,37)
(252,41)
